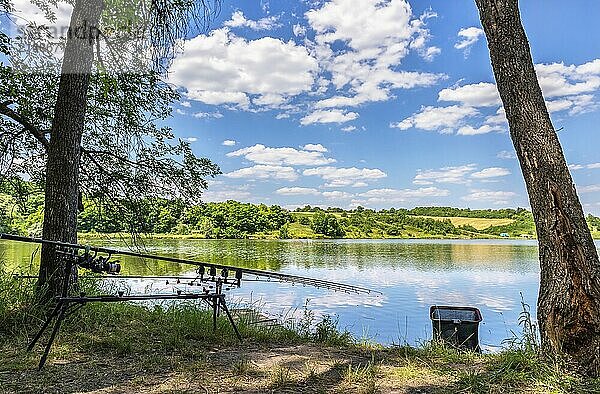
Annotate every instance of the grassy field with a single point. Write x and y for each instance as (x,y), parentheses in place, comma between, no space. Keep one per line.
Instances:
(297,230)
(478,223)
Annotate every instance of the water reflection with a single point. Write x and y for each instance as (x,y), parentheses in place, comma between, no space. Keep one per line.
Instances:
(413,274)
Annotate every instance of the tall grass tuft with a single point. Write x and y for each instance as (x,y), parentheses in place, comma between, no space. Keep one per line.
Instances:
(362,375)
(523,366)
(528,340)
(325,330)
(19,306)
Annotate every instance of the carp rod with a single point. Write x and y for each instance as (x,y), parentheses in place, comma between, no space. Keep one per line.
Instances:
(225,269)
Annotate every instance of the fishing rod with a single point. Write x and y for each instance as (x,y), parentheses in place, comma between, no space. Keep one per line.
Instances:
(202,266)
(71,257)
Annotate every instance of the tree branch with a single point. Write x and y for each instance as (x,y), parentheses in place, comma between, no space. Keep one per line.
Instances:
(37,133)
(91,152)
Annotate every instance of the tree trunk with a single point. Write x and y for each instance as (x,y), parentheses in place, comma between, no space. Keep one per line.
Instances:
(62,168)
(569,297)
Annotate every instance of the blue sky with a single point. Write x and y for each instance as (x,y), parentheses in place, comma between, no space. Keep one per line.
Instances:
(379,103)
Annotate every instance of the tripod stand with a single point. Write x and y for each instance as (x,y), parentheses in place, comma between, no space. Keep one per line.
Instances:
(66,305)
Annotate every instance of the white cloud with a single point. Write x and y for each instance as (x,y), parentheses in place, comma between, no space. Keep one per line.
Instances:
(422,182)
(239,20)
(505,154)
(468,36)
(223,195)
(498,119)
(299,30)
(567,88)
(315,147)
(205,115)
(590,166)
(190,139)
(558,80)
(589,68)
(228,143)
(348,128)
(186,104)
(430,53)
(376,196)
(219,97)
(491,172)
(376,35)
(575,104)
(558,105)
(480,94)
(297,191)
(265,172)
(328,116)
(422,36)
(437,118)
(483,129)
(339,177)
(272,100)
(26,12)
(363,25)
(495,197)
(452,118)
(452,174)
(282,116)
(337,195)
(588,189)
(281,156)
(372,92)
(582,104)
(222,68)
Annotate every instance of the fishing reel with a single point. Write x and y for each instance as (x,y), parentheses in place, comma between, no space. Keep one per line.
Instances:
(103,264)
(98,264)
(222,278)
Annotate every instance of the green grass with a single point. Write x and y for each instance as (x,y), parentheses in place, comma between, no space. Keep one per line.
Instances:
(132,347)
(300,231)
(124,328)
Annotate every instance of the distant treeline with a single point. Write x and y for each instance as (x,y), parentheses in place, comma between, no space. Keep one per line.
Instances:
(506,213)
(232,219)
(21,211)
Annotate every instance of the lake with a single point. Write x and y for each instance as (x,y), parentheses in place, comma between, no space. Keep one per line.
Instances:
(411,274)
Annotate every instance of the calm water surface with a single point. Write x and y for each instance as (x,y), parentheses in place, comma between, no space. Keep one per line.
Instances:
(412,274)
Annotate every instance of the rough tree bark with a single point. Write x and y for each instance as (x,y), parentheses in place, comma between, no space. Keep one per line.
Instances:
(62,171)
(569,297)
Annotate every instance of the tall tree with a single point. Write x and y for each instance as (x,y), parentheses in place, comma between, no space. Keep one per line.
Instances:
(64,146)
(111,148)
(569,296)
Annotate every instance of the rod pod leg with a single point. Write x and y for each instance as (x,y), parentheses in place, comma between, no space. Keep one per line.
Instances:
(59,319)
(214,306)
(46,324)
(224,306)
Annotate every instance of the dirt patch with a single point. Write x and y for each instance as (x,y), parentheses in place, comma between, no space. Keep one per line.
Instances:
(254,368)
